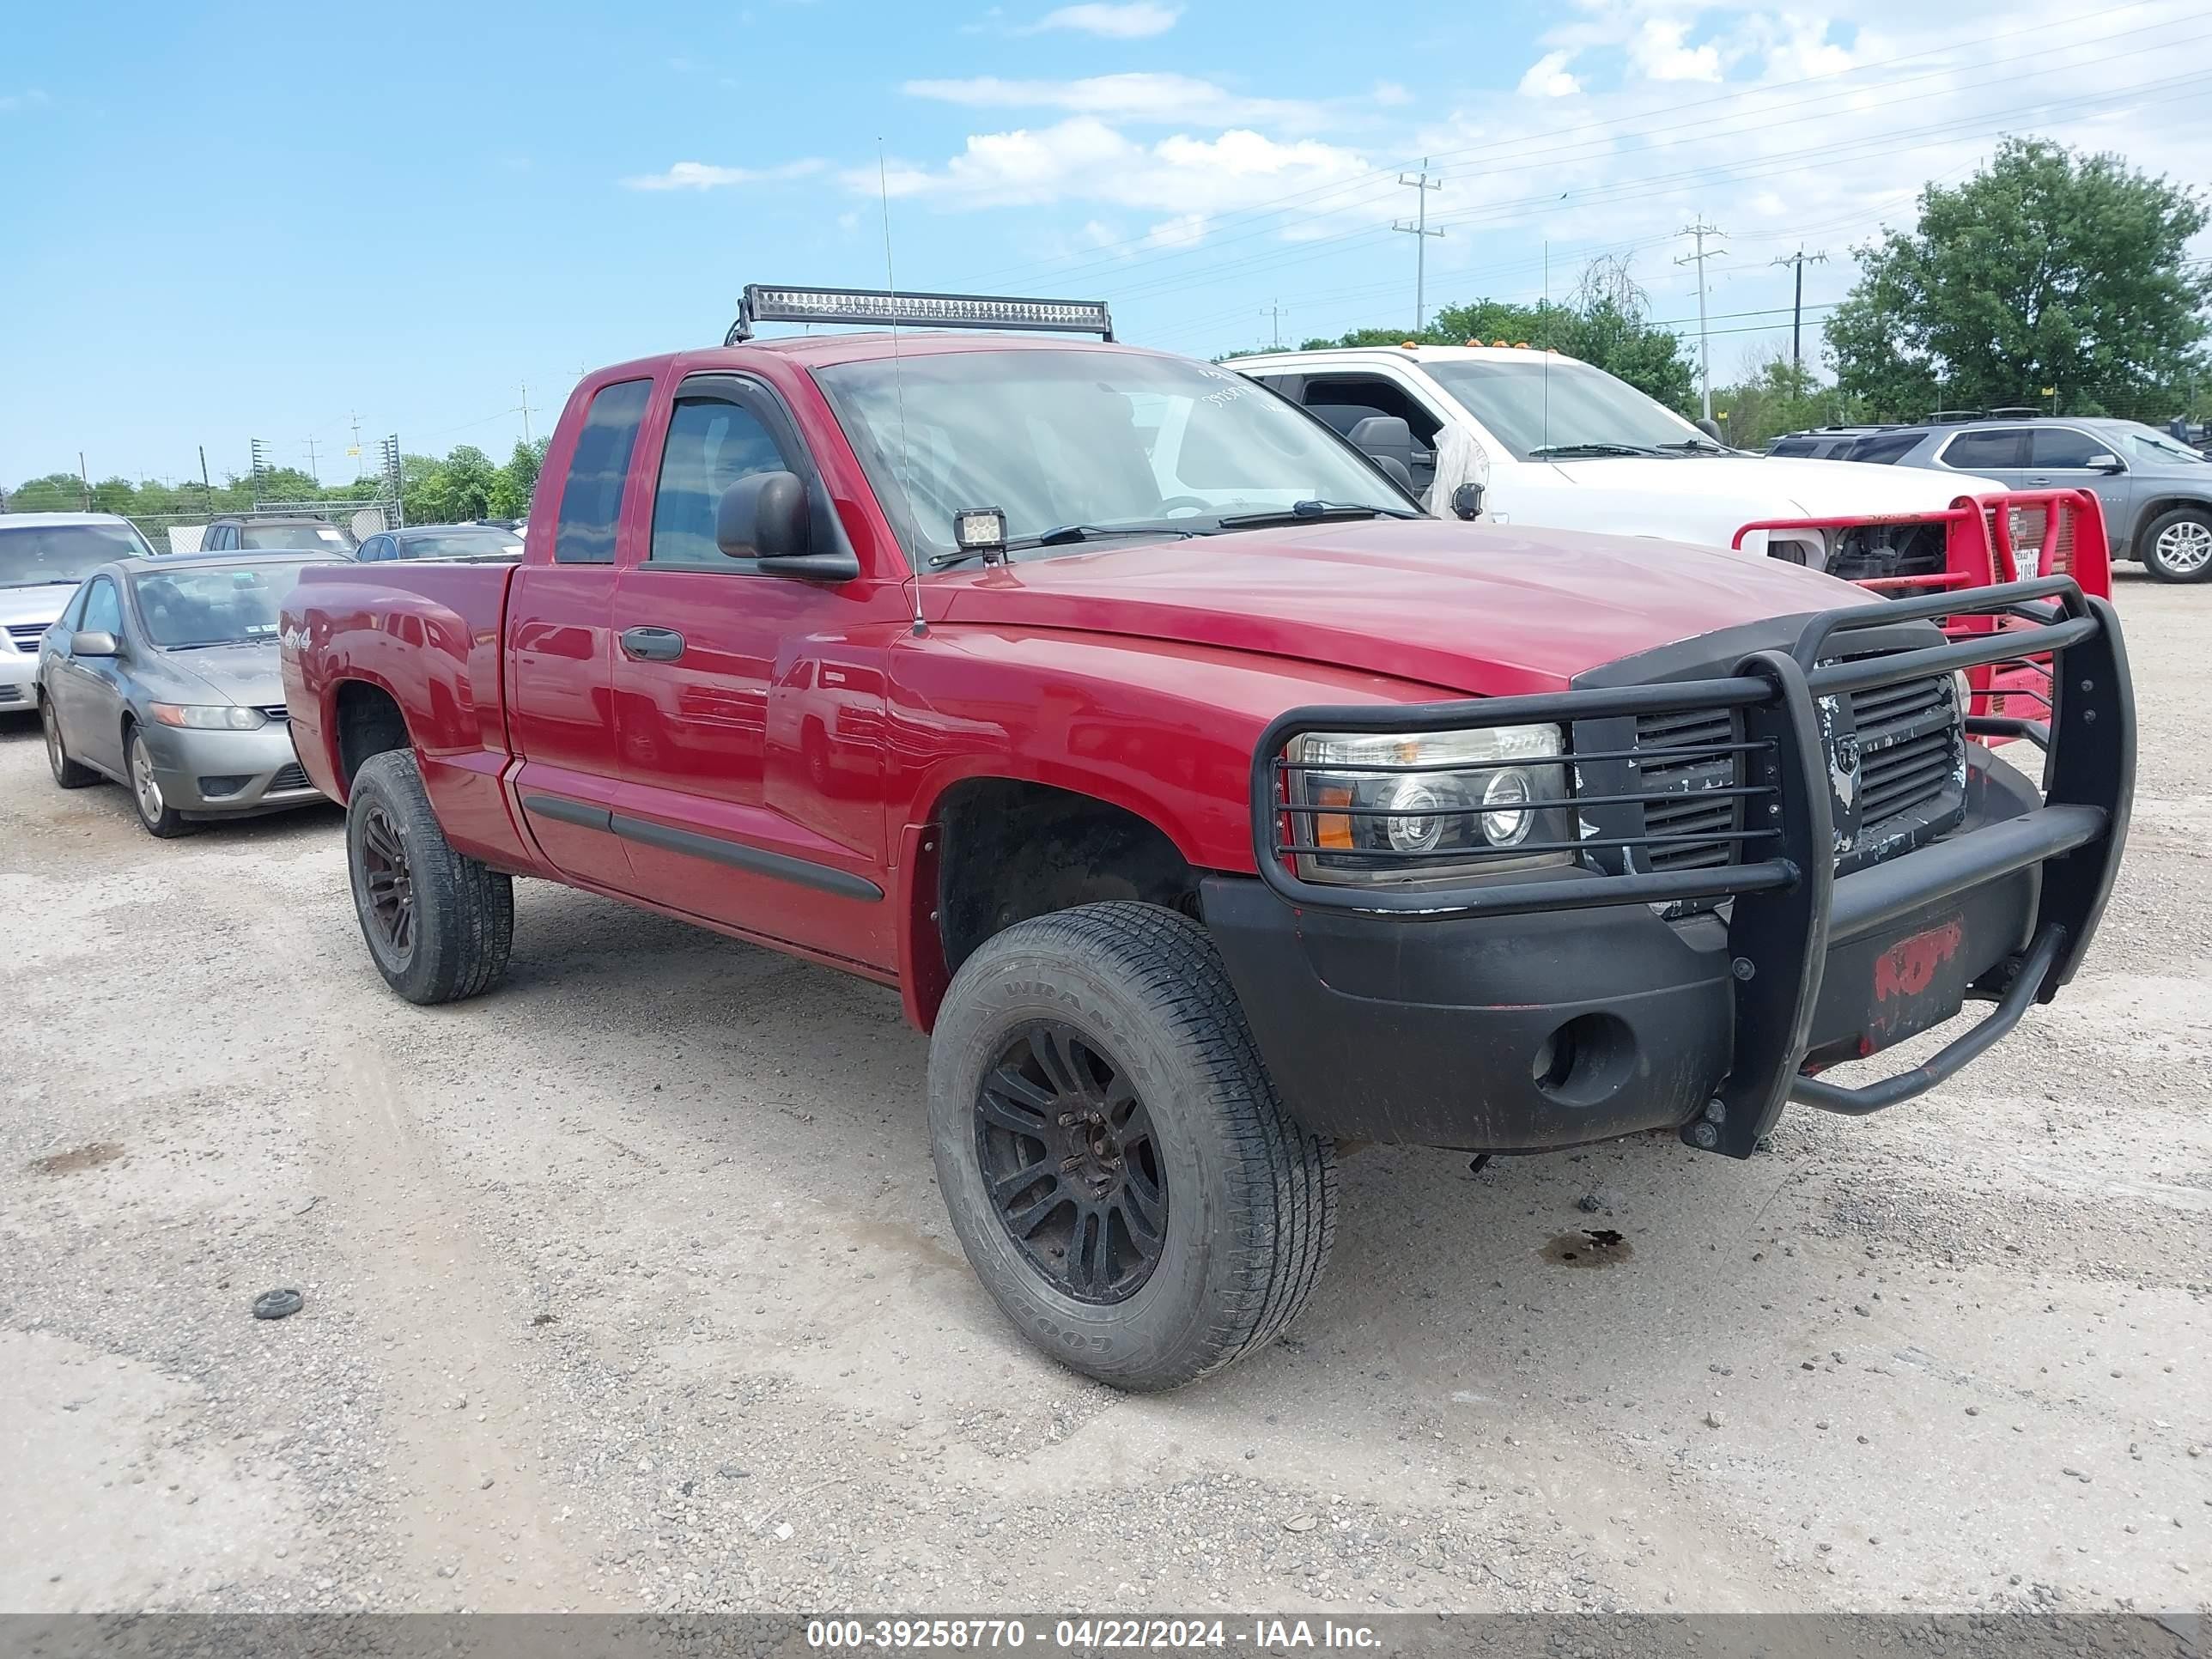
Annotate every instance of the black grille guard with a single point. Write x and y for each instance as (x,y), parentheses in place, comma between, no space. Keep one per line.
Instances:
(1787,902)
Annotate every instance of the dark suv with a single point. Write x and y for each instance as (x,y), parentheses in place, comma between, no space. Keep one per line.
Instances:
(270,532)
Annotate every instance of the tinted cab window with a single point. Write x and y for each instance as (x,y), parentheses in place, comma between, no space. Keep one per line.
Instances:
(712,443)
(591,497)
(2064,446)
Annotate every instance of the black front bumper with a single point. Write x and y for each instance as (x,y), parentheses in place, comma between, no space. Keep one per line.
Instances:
(1571,1004)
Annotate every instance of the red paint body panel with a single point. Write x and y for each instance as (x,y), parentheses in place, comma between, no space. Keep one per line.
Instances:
(808,721)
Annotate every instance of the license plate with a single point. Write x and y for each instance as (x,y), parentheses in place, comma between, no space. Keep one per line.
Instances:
(1919,981)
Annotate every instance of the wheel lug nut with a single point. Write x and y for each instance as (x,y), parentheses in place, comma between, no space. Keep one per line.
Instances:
(1069,1120)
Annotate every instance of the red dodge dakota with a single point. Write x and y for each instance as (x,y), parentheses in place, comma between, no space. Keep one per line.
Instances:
(1206,801)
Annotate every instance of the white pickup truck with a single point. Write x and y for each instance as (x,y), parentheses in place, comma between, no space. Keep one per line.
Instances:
(1560,444)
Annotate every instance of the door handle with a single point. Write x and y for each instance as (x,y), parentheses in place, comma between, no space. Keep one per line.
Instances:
(652,644)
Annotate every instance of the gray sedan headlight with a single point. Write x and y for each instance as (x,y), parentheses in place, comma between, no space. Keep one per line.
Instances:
(1419,806)
(209,717)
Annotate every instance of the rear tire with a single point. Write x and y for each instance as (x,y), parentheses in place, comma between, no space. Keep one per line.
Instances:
(2176,546)
(439,924)
(1187,1215)
(68,773)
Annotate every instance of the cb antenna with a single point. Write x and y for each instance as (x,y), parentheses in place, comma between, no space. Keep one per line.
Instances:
(898,384)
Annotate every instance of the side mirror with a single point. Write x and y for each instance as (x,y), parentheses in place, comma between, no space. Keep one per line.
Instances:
(764,516)
(1467,502)
(1710,428)
(768,517)
(92,643)
(2105,461)
(1388,442)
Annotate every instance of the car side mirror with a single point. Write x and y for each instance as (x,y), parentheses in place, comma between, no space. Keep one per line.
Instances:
(92,643)
(1388,442)
(1467,502)
(2105,461)
(767,516)
(1710,428)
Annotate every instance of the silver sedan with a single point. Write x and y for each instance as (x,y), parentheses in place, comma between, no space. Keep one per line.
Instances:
(163,675)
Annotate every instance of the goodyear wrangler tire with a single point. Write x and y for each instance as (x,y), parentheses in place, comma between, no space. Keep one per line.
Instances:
(438,923)
(1113,1154)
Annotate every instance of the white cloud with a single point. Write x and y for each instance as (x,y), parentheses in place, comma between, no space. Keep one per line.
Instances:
(1137,96)
(1184,230)
(1391,95)
(1138,19)
(1547,77)
(1084,159)
(1657,53)
(12,101)
(701,175)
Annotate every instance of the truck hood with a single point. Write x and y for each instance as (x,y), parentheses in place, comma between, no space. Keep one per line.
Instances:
(1707,498)
(21,607)
(1478,609)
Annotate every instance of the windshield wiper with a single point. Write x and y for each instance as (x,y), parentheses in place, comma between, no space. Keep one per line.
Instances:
(1697,446)
(210,645)
(46,582)
(1566,452)
(1065,535)
(1312,513)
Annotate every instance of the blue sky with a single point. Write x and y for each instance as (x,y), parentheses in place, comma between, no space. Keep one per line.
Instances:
(226,221)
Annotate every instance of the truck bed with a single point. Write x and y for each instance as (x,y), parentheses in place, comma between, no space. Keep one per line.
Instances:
(429,634)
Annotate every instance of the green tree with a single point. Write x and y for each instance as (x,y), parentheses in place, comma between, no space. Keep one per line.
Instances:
(512,487)
(1775,396)
(2048,269)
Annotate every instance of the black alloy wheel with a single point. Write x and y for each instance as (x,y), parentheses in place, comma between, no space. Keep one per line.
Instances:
(390,884)
(1070,1161)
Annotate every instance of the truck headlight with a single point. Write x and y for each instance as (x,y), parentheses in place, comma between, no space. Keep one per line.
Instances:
(1419,806)
(208,717)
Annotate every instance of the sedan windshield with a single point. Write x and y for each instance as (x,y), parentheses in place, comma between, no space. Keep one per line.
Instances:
(215,604)
(1082,445)
(1543,405)
(41,556)
(303,538)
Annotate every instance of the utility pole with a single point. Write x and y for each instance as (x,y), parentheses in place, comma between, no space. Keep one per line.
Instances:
(1275,310)
(355,421)
(1700,230)
(313,472)
(526,414)
(84,475)
(1797,307)
(207,489)
(1420,231)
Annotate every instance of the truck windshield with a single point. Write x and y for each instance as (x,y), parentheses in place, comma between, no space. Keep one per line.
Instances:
(1552,404)
(41,556)
(1085,442)
(2154,448)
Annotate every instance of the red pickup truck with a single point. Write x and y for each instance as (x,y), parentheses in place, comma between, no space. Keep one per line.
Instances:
(1208,802)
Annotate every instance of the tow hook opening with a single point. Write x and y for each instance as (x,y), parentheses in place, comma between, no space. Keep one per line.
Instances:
(1584,1061)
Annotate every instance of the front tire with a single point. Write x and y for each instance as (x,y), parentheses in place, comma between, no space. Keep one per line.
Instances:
(160,818)
(68,773)
(1113,1154)
(2176,546)
(438,923)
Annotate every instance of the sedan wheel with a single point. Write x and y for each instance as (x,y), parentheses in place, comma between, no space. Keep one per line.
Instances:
(153,810)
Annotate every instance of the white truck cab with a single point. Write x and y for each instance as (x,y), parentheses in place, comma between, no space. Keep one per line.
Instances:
(1560,444)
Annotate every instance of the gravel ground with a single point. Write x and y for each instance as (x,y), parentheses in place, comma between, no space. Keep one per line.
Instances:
(627,1287)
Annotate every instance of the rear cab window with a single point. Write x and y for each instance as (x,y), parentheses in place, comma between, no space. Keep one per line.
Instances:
(591,495)
(2001,449)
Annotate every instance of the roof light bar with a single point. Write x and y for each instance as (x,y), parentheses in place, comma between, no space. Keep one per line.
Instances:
(765,302)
